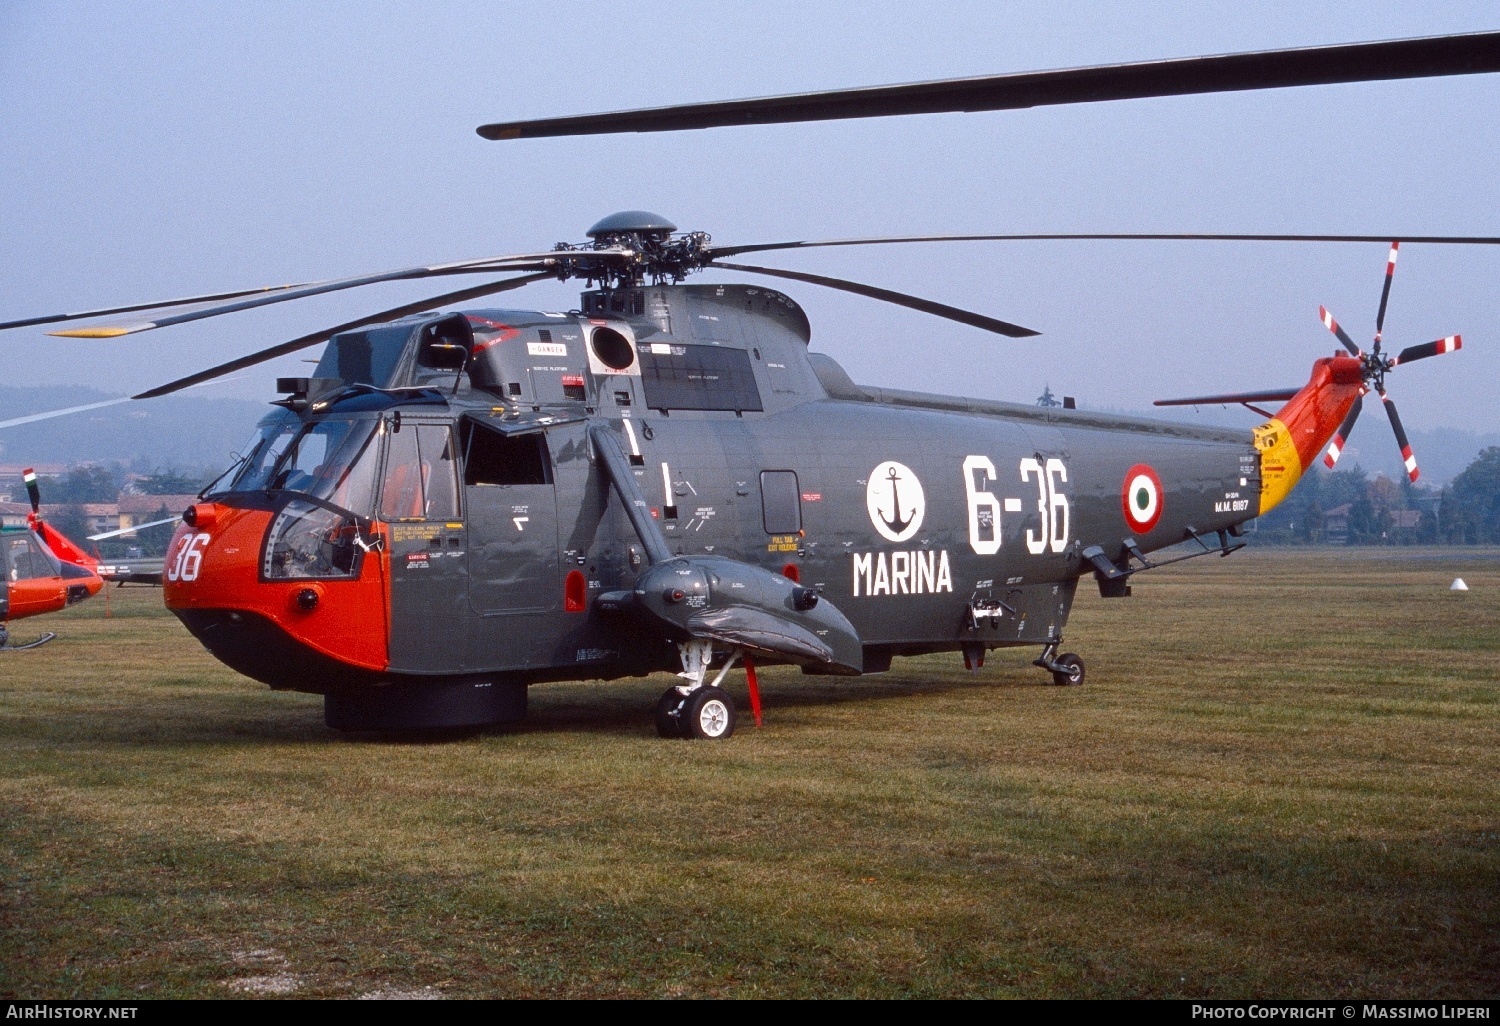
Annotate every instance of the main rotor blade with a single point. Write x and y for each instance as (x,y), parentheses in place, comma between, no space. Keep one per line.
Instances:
(520,262)
(1385,290)
(1341,438)
(1474,53)
(1426,349)
(765,247)
(1274,395)
(323,336)
(952,313)
(1333,326)
(132,308)
(1407,457)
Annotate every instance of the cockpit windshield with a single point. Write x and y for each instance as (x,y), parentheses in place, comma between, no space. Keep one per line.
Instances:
(335,459)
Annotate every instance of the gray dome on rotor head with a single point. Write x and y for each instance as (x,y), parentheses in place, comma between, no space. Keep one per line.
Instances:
(642,221)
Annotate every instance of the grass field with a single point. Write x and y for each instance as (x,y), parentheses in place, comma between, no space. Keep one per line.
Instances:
(1281,779)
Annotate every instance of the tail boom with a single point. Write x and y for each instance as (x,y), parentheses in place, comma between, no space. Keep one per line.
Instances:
(1289,442)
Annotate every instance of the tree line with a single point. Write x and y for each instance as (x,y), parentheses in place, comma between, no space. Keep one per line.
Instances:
(1349,507)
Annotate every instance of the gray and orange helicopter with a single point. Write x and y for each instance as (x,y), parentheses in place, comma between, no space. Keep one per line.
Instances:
(454,506)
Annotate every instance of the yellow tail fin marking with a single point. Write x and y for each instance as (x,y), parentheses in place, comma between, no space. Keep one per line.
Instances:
(1280,466)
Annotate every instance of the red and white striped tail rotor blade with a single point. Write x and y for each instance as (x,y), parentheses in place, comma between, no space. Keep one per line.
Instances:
(1407,457)
(1385,291)
(1336,447)
(1451,344)
(1333,326)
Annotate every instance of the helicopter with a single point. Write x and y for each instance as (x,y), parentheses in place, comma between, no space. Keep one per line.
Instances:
(453,506)
(43,571)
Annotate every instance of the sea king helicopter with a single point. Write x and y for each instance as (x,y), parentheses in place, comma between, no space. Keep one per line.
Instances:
(455,505)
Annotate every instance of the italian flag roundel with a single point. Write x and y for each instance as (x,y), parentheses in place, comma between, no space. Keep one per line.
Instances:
(1141,498)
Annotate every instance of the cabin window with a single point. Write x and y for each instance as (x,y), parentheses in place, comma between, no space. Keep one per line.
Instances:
(491,458)
(780,502)
(698,378)
(421,474)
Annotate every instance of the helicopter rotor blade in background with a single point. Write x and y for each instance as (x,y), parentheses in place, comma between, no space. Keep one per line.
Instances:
(131,530)
(1385,291)
(1408,459)
(1426,349)
(1468,54)
(1341,438)
(765,247)
(313,339)
(952,313)
(1343,336)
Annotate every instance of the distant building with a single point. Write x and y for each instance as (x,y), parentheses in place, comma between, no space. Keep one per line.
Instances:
(1405,518)
(1336,524)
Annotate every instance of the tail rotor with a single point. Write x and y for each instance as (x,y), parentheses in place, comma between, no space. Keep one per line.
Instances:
(1376,366)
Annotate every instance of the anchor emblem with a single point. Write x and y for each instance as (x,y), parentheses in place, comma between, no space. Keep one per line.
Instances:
(895,501)
(895,523)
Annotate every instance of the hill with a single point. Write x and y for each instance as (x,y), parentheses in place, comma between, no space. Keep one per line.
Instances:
(166,433)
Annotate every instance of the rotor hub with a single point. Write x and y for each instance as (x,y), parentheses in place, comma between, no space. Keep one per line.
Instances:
(633,246)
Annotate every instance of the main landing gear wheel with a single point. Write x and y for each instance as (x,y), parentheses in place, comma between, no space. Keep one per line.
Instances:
(708,714)
(1072,675)
(669,714)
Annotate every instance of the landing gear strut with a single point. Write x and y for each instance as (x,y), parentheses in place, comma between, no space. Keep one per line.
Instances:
(1066,669)
(697,709)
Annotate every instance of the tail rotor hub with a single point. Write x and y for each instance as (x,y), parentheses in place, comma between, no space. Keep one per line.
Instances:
(1375,365)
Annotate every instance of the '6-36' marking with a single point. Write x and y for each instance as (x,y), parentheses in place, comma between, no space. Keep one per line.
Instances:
(1052,505)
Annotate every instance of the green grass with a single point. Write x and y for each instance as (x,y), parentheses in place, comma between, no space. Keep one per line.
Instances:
(1280,780)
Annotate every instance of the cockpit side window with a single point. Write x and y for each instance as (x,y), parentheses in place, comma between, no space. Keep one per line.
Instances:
(421,476)
(440,471)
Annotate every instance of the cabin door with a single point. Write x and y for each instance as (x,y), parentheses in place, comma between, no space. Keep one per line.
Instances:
(514,578)
(419,502)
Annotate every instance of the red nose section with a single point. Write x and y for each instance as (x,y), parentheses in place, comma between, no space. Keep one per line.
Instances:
(215,582)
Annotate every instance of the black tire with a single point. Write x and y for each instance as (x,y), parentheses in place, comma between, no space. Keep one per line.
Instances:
(708,715)
(669,720)
(1074,677)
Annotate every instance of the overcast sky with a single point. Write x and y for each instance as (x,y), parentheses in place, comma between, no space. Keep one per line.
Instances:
(154,150)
